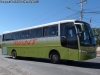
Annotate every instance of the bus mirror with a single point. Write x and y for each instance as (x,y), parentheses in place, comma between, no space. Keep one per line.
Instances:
(82,28)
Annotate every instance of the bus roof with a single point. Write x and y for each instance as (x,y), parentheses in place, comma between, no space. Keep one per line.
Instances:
(37,26)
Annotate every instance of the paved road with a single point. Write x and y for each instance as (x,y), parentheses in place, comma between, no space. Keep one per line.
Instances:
(31,66)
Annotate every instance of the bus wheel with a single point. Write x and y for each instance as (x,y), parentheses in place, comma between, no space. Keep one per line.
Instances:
(55,57)
(14,54)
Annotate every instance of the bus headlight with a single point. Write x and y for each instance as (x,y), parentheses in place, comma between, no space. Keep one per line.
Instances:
(82,51)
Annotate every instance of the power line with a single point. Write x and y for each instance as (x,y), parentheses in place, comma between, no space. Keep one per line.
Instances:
(56,14)
(50,16)
(74,14)
(71,9)
(96,12)
(92,8)
(81,10)
(93,20)
(47,12)
(96,22)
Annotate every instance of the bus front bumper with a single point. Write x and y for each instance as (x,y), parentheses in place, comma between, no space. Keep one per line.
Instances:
(86,56)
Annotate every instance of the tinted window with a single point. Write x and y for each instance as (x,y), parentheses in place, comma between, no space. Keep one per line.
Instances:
(33,33)
(63,33)
(39,32)
(72,38)
(47,31)
(36,33)
(50,30)
(86,37)
(63,28)
(7,37)
(53,30)
(13,36)
(25,34)
(4,39)
(16,36)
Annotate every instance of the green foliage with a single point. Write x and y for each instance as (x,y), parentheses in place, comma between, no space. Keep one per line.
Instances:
(97,35)
(0,45)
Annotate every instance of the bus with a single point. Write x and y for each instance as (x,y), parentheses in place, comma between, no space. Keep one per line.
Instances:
(62,40)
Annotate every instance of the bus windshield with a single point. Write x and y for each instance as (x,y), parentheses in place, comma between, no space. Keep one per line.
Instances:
(87,37)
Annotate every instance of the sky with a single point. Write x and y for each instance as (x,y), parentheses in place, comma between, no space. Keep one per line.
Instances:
(15,16)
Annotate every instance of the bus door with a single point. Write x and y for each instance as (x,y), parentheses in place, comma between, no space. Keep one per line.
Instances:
(72,43)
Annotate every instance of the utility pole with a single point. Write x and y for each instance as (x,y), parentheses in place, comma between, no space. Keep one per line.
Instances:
(81,11)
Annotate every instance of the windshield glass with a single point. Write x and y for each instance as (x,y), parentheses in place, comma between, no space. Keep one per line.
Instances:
(87,37)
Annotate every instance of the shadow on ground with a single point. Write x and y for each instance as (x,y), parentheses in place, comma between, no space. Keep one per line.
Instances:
(83,64)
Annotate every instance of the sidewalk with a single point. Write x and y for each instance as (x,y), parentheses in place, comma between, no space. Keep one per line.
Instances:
(98,51)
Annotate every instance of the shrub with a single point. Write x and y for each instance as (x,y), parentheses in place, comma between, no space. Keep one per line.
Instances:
(0,45)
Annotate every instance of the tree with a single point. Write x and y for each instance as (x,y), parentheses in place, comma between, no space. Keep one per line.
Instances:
(96,32)
(0,45)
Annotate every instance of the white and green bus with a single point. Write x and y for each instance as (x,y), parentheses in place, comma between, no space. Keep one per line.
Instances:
(61,40)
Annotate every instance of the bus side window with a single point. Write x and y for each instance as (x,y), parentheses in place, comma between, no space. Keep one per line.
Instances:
(54,30)
(39,32)
(3,37)
(7,37)
(16,36)
(13,36)
(46,31)
(25,34)
(34,33)
(72,38)
(63,34)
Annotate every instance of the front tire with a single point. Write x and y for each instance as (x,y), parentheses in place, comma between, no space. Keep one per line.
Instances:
(55,57)
(14,54)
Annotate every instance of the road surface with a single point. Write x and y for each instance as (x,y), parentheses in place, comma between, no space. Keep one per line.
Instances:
(33,66)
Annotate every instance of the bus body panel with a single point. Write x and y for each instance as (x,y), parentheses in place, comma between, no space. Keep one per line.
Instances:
(73,54)
(4,50)
(41,49)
